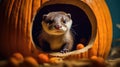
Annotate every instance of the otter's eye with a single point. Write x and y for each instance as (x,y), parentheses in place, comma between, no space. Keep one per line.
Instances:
(64,21)
(49,21)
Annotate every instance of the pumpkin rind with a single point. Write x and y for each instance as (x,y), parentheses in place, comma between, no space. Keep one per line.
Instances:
(103,40)
(16,21)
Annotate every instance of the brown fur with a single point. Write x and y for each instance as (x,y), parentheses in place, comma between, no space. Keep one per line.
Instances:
(56,37)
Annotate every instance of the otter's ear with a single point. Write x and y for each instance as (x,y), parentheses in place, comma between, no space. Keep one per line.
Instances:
(44,17)
(69,15)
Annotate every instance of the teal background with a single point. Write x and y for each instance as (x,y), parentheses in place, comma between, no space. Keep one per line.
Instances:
(114,7)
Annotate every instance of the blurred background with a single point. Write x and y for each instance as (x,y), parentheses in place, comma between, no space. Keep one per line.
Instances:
(115,14)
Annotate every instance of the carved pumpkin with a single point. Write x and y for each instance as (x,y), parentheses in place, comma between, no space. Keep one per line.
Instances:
(16,23)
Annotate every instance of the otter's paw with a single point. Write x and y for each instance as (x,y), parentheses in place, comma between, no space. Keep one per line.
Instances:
(65,50)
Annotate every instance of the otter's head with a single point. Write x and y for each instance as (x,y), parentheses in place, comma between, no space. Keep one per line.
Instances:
(56,23)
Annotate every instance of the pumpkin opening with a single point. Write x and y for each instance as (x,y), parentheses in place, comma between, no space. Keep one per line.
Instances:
(81,27)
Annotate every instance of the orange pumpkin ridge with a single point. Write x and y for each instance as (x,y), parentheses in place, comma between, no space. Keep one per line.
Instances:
(17,18)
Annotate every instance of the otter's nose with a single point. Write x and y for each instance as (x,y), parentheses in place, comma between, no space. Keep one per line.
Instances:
(57,26)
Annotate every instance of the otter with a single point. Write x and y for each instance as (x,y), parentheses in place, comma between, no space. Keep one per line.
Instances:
(56,32)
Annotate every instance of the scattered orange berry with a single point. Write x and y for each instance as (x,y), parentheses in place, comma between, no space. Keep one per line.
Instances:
(94,58)
(79,46)
(43,58)
(30,62)
(13,62)
(99,60)
(18,56)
